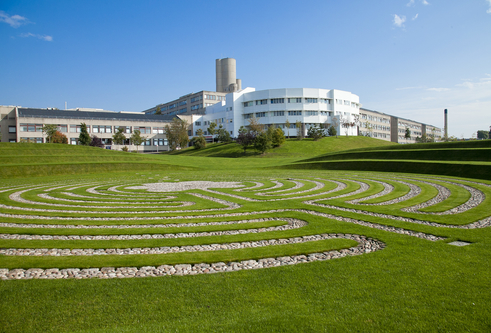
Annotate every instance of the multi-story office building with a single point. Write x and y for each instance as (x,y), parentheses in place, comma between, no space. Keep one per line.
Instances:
(230,106)
(25,125)
(391,128)
(194,103)
(279,107)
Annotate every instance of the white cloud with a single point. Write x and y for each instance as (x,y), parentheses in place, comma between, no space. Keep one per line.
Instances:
(489,10)
(410,3)
(43,37)
(14,21)
(425,2)
(415,17)
(438,89)
(399,20)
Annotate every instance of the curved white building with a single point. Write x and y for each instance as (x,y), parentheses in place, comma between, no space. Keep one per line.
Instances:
(277,106)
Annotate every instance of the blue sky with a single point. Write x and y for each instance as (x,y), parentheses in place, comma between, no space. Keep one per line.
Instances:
(410,58)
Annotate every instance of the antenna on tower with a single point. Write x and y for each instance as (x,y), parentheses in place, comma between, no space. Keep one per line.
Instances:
(65,105)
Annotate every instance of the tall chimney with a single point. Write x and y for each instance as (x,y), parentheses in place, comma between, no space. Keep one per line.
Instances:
(446,125)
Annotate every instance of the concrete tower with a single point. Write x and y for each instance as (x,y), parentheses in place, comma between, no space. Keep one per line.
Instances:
(226,75)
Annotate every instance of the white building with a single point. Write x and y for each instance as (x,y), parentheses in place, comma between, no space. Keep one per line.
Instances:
(277,106)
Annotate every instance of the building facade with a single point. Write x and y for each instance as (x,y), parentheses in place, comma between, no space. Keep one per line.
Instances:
(283,108)
(391,128)
(25,125)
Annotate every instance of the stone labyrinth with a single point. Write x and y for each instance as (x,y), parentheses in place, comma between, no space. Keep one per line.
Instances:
(41,219)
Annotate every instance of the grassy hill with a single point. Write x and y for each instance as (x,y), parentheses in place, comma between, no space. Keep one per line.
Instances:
(34,159)
(462,159)
(292,148)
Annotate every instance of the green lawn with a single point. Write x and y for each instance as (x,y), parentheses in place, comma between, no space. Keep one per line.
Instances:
(413,284)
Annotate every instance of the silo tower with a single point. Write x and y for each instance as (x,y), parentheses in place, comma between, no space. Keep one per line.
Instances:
(226,75)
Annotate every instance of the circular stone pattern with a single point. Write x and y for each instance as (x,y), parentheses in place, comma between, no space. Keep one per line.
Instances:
(156,220)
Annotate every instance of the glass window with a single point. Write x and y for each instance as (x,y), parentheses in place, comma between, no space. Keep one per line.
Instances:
(311,100)
(277,100)
(260,114)
(295,113)
(261,102)
(295,100)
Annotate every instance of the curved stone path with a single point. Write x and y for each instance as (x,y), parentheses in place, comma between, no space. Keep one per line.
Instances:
(117,199)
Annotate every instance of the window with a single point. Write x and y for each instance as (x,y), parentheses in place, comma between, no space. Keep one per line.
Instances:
(295,100)
(63,128)
(197,123)
(158,142)
(182,110)
(172,106)
(77,129)
(339,101)
(73,141)
(181,103)
(102,129)
(277,100)
(144,130)
(32,140)
(28,128)
(197,98)
(126,129)
(325,101)
(261,102)
(196,107)
(208,104)
(278,113)
(295,113)
(211,97)
(229,108)
(311,100)
(353,105)
(346,103)
(311,113)
(246,104)
(221,98)
(248,115)
(158,130)
(260,114)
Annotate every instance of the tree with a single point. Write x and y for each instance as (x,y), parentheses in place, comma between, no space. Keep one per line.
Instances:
(137,139)
(96,142)
(119,137)
(255,127)
(223,134)
(482,135)
(316,133)
(408,134)
(199,141)
(50,130)
(332,131)
(298,126)
(59,137)
(278,137)
(177,133)
(287,124)
(262,142)
(212,129)
(84,137)
(245,138)
(157,110)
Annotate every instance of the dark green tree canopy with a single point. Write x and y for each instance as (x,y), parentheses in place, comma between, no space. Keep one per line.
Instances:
(84,137)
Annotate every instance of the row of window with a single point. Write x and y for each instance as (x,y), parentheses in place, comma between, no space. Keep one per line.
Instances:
(373,118)
(197,98)
(290,100)
(91,129)
(215,97)
(289,113)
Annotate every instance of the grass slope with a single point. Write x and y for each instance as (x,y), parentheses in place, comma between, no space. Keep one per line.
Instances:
(412,285)
(291,149)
